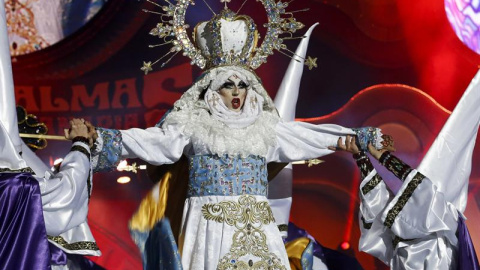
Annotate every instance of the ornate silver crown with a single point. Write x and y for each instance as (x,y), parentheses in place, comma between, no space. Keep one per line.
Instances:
(227,38)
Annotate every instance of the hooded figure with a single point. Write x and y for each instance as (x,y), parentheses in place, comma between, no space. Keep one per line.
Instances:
(38,204)
(422,226)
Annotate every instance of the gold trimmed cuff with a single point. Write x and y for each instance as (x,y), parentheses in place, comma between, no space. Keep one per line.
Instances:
(82,245)
(370,185)
(403,199)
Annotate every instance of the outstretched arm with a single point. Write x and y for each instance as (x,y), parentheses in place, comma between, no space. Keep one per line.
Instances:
(154,145)
(374,196)
(302,141)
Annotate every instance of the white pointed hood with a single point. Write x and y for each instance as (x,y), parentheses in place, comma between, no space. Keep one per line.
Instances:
(448,162)
(8,113)
(11,145)
(287,94)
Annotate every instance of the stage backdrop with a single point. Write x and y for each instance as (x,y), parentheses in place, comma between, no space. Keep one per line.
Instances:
(394,64)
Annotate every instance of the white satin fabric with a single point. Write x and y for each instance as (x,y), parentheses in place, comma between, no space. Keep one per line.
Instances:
(203,243)
(9,157)
(280,187)
(287,94)
(281,212)
(427,220)
(318,264)
(65,197)
(8,112)
(448,162)
(301,141)
(233,35)
(430,215)
(34,162)
(11,144)
(64,194)
(294,141)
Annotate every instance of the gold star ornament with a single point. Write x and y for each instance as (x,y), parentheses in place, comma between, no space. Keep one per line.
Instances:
(147,67)
(311,62)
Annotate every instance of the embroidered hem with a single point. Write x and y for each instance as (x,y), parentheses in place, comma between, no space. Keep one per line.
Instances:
(248,217)
(23,170)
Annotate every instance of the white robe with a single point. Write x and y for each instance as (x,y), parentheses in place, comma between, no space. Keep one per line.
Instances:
(65,197)
(426,222)
(203,243)
(429,211)
(65,194)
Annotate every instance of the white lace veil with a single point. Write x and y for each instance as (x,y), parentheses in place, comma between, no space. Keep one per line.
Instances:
(208,134)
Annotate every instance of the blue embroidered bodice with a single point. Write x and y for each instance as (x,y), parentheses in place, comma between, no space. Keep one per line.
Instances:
(227,176)
(208,174)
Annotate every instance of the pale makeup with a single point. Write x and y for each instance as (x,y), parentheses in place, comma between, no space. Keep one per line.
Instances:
(233,93)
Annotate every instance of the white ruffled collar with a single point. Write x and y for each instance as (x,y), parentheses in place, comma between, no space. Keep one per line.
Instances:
(211,136)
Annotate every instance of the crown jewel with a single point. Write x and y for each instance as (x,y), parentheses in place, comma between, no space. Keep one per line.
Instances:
(226,39)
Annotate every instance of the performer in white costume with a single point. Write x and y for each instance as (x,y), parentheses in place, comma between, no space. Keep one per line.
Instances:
(64,194)
(421,227)
(229,130)
(228,152)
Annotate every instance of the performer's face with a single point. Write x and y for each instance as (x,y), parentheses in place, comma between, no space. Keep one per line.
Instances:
(233,93)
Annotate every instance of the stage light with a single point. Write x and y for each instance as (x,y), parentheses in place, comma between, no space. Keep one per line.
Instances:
(55,164)
(345,245)
(122,165)
(464,17)
(57,161)
(123,180)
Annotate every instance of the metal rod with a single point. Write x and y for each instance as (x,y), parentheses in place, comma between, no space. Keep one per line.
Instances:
(41,136)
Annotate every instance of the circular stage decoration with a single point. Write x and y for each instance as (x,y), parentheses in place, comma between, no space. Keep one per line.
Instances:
(36,24)
(89,38)
(464,17)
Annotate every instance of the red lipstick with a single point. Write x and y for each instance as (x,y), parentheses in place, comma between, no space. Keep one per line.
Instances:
(236,103)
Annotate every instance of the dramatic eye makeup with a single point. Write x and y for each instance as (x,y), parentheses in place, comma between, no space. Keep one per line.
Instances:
(242,85)
(228,85)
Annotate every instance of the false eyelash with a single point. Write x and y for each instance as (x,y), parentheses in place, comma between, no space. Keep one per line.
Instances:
(243,85)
